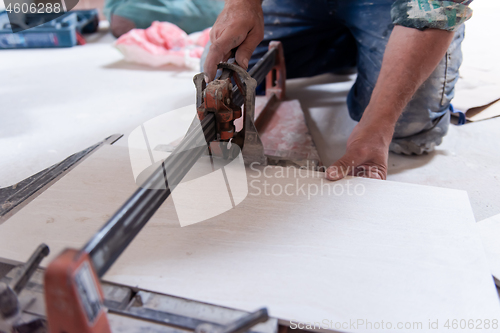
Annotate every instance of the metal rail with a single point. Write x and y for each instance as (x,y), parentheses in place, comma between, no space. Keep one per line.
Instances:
(113,238)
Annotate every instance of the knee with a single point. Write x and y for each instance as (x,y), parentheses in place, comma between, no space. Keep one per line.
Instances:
(358,99)
(424,141)
(420,123)
(120,25)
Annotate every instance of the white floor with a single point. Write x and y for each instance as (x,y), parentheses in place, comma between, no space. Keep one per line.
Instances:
(59,101)
(56,102)
(468,159)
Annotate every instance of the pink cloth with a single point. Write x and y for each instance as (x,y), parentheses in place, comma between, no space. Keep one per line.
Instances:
(163,43)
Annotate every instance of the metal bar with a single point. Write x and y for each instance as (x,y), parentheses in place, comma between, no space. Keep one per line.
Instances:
(258,72)
(160,317)
(166,318)
(107,245)
(245,323)
(15,196)
(29,268)
(9,300)
(240,325)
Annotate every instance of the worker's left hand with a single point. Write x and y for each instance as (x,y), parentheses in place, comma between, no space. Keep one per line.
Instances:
(366,155)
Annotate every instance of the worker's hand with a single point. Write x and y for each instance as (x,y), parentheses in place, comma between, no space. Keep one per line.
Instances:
(366,155)
(240,24)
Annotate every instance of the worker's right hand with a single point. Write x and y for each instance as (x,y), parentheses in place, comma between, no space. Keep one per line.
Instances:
(241,25)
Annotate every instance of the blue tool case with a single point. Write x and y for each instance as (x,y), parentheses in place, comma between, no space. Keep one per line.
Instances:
(53,32)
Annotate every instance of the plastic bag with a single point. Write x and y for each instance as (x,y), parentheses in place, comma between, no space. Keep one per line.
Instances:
(163,43)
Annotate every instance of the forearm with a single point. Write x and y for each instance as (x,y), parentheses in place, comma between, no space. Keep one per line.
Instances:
(410,58)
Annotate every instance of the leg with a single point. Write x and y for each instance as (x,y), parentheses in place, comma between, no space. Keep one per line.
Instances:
(425,120)
(314,40)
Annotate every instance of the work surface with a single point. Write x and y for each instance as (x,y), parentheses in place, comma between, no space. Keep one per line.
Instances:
(61,101)
(379,251)
(397,253)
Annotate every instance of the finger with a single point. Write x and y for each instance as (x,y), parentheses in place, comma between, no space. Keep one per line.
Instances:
(340,169)
(375,172)
(375,175)
(219,50)
(245,50)
(370,171)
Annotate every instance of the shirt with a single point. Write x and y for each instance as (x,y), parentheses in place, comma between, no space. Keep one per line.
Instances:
(436,14)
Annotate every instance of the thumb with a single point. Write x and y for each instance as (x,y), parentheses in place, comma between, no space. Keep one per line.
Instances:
(340,169)
(245,50)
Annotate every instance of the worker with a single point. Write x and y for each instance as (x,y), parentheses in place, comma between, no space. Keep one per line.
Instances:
(407,54)
(189,15)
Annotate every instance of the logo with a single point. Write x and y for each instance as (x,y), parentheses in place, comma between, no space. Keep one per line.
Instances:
(26,14)
(216,183)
